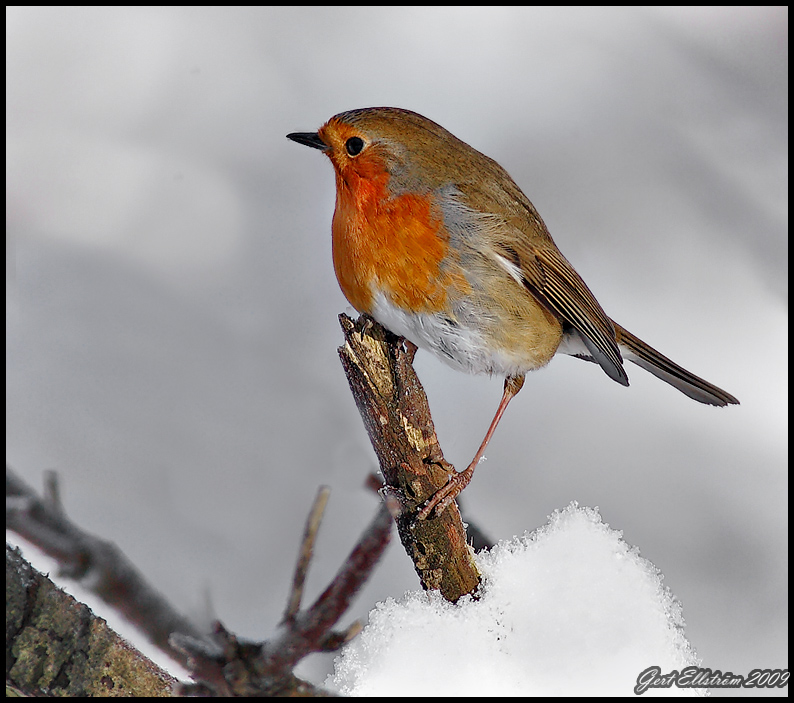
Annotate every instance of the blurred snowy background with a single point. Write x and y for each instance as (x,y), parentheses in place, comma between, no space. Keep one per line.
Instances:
(171,303)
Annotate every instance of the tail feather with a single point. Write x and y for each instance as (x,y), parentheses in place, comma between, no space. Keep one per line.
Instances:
(642,354)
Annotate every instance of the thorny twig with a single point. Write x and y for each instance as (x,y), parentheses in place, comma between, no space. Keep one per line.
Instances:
(306,551)
(227,666)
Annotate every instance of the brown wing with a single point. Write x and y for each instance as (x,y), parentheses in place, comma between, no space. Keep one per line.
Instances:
(552,280)
(513,229)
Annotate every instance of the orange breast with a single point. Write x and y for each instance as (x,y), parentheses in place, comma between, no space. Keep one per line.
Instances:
(397,246)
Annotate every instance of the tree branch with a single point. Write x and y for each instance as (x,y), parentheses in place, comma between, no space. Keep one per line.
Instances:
(222,664)
(98,564)
(394,408)
(227,666)
(56,646)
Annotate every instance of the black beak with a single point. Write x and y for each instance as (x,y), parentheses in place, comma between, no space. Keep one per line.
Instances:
(311,139)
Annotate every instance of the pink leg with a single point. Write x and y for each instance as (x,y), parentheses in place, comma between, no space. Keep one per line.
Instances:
(445,495)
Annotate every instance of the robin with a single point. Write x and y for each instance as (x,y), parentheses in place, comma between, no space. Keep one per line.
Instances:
(437,243)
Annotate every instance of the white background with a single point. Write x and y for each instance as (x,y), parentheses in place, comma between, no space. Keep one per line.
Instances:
(172,333)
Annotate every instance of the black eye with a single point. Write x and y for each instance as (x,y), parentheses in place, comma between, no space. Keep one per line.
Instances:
(354,145)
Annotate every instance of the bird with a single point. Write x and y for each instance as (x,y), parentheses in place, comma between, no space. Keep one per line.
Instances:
(436,242)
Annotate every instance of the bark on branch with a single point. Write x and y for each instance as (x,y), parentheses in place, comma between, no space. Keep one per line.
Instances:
(394,408)
(55,646)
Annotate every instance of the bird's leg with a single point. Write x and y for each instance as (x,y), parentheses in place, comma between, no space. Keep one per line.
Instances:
(457,482)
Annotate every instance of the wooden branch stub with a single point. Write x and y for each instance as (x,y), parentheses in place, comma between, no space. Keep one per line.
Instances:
(396,415)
